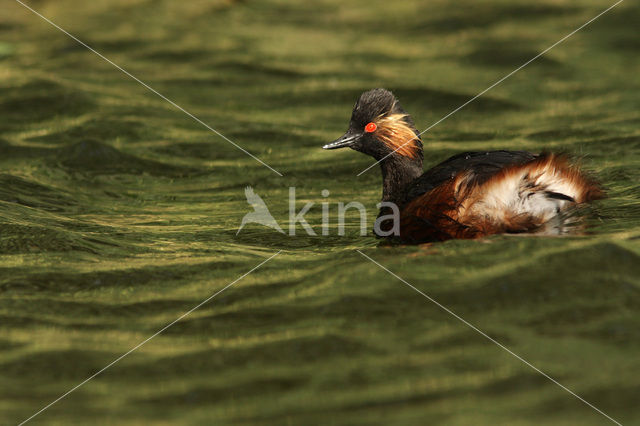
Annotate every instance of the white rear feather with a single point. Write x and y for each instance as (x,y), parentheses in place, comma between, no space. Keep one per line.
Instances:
(541,191)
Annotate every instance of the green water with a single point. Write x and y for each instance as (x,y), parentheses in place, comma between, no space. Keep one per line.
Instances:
(118,213)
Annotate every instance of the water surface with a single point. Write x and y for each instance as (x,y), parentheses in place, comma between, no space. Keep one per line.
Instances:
(118,213)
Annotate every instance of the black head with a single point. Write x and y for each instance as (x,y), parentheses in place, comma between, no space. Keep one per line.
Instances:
(380,126)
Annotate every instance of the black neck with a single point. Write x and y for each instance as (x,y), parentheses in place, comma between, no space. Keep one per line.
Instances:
(397,173)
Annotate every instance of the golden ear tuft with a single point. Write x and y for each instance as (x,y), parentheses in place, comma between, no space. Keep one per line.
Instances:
(394,132)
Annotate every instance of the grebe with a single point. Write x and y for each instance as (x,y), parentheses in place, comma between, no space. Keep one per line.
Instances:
(470,195)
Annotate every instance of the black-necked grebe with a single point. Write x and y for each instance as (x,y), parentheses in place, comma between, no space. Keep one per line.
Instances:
(470,195)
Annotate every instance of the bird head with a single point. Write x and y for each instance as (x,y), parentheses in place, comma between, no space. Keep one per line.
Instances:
(379,127)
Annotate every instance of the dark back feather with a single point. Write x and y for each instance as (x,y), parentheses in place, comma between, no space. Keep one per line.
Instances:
(483,164)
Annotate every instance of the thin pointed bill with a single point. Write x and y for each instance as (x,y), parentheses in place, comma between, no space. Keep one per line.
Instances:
(343,141)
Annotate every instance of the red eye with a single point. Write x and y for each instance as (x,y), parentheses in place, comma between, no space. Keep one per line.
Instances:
(370,128)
